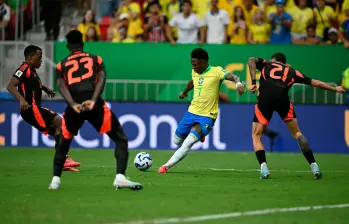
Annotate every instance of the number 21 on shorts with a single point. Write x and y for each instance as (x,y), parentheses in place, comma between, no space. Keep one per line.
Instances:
(88,64)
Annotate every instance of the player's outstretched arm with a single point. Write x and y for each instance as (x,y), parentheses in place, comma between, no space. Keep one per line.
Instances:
(12,88)
(187,89)
(252,65)
(240,87)
(322,85)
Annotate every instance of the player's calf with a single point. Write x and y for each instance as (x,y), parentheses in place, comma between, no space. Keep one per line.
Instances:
(181,153)
(257,132)
(309,156)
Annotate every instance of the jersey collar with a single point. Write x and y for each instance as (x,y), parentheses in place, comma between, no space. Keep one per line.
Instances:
(207,69)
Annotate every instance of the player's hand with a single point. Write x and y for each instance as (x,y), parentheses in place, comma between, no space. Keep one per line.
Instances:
(89,104)
(182,95)
(50,93)
(23,105)
(77,108)
(253,88)
(241,89)
(339,89)
(173,43)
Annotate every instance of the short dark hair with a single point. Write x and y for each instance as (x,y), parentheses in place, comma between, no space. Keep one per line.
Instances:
(188,2)
(74,37)
(279,57)
(199,53)
(310,26)
(30,50)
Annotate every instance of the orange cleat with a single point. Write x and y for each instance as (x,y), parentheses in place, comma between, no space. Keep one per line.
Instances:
(71,169)
(163,169)
(202,139)
(69,162)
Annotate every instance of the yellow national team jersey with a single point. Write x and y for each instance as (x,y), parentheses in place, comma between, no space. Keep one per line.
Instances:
(269,10)
(327,13)
(301,19)
(206,91)
(261,32)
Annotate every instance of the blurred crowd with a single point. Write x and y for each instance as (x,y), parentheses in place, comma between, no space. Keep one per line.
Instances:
(198,21)
(220,21)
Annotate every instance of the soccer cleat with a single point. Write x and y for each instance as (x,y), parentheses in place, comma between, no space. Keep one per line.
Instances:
(202,139)
(72,169)
(316,172)
(54,185)
(122,182)
(69,162)
(265,173)
(163,169)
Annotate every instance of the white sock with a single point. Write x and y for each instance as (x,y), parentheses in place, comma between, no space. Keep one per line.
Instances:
(312,165)
(120,176)
(263,165)
(56,179)
(182,151)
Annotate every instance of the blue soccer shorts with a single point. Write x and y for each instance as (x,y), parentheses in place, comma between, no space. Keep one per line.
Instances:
(188,121)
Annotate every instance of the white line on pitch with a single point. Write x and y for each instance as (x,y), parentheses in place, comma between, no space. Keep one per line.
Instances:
(239,170)
(236,214)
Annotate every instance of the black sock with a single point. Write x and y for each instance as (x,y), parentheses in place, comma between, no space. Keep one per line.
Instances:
(305,147)
(309,156)
(60,156)
(121,156)
(57,139)
(260,154)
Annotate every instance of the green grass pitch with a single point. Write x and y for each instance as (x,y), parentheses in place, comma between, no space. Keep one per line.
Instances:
(193,188)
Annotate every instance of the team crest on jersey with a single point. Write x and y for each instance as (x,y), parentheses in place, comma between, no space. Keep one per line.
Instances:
(201,80)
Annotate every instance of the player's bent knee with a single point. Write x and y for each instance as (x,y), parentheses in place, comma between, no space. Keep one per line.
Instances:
(297,135)
(257,136)
(303,143)
(177,140)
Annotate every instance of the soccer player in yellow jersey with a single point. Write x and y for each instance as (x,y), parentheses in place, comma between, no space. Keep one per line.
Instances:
(203,110)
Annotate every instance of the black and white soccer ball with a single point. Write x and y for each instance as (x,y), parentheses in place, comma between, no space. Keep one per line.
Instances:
(143,161)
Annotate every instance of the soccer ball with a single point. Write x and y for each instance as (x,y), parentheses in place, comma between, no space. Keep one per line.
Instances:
(143,161)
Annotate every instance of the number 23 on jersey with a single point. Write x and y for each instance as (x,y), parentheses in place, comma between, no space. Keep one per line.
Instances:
(74,65)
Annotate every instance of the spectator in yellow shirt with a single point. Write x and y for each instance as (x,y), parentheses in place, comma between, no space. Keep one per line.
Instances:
(249,9)
(172,8)
(201,7)
(239,30)
(323,15)
(229,5)
(133,9)
(302,17)
(121,30)
(88,22)
(259,31)
(269,8)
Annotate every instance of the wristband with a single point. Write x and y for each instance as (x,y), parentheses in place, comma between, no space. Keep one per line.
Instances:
(253,82)
(238,84)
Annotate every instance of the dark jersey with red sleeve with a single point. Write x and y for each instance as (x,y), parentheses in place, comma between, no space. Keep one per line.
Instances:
(80,72)
(30,86)
(277,78)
